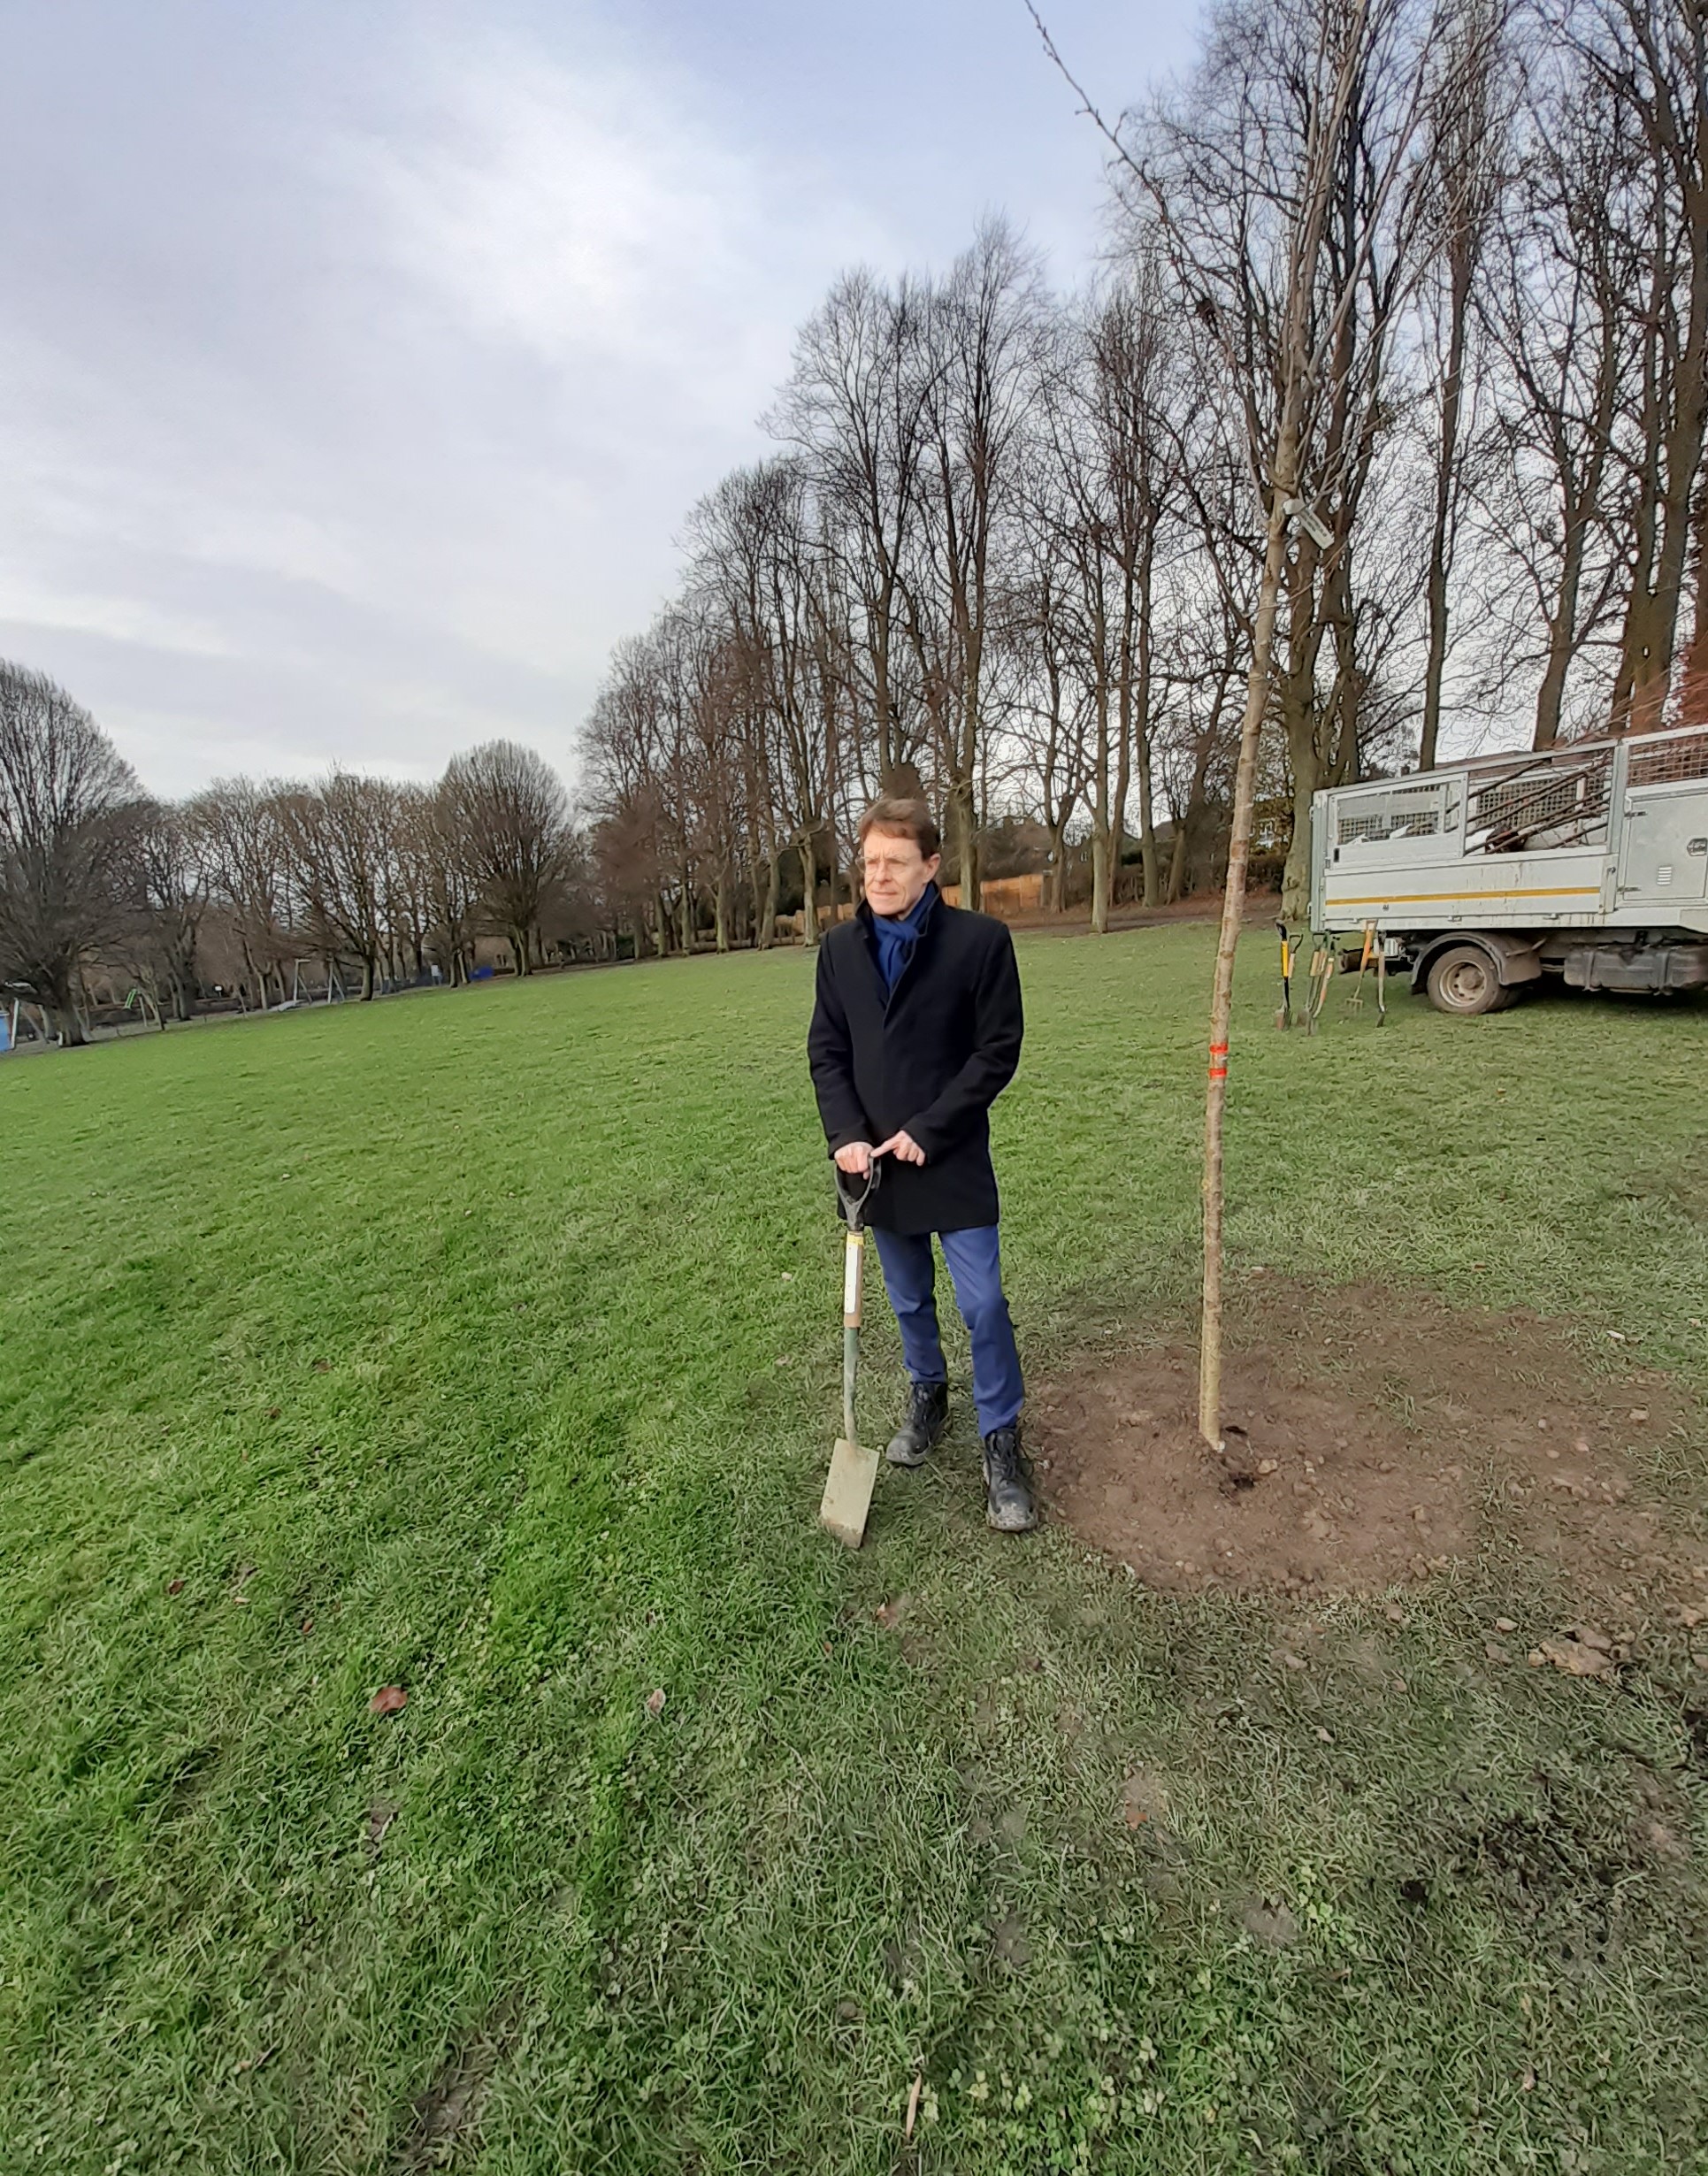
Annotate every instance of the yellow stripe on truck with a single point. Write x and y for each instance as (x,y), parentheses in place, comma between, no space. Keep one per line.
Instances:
(1419,899)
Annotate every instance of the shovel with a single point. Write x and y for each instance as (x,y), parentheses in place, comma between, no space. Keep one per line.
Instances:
(853,1472)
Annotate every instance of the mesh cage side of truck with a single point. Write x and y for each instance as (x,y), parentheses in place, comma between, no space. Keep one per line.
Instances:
(1371,819)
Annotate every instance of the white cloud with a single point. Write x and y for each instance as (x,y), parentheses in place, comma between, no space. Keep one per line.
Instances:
(588,216)
(359,366)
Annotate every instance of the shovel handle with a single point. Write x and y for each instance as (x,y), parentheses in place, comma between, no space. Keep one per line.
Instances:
(854,1264)
(850,1369)
(853,1204)
(853,1267)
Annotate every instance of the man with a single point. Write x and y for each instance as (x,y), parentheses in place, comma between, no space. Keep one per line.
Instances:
(915,1032)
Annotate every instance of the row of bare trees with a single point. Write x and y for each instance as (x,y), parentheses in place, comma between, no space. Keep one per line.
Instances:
(1011,540)
(396,878)
(245,883)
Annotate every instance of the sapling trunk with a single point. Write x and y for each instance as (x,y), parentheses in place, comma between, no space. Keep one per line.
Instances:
(1233,906)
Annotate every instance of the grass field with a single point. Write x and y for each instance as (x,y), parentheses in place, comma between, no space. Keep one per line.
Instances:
(486,1344)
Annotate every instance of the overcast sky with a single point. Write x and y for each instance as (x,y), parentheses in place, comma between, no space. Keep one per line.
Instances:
(358,363)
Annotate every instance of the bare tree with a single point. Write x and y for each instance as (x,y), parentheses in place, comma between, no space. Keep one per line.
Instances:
(1558,304)
(1271,179)
(855,408)
(172,882)
(66,797)
(343,836)
(242,838)
(1052,760)
(1465,177)
(984,329)
(1112,447)
(1650,62)
(510,812)
(757,551)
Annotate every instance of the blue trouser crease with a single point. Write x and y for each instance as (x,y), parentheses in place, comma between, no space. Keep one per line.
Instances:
(976,1267)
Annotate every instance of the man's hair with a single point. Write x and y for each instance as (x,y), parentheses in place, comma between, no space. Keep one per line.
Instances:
(891,813)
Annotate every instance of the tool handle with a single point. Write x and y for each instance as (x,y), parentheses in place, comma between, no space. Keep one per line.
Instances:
(853,1203)
(854,1264)
(850,1369)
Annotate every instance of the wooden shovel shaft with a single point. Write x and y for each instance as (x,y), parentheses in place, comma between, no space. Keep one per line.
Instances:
(853,1261)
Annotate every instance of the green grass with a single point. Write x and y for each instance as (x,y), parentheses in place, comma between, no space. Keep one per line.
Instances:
(487,1343)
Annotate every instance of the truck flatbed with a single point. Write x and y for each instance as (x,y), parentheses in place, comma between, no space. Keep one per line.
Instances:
(1588,860)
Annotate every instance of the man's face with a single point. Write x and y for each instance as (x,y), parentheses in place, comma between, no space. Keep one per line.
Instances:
(896,871)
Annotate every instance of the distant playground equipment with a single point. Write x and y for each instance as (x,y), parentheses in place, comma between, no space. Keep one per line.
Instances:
(332,991)
(23,1022)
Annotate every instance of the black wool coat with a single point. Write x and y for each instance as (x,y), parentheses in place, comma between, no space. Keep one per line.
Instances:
(930,1058)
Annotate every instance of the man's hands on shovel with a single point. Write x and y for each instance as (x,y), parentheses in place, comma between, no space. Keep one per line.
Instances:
(859,1156)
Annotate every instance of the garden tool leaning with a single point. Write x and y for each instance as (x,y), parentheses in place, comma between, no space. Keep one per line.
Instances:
(853,1471)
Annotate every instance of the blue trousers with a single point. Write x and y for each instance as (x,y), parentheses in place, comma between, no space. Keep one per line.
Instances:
(975,1264)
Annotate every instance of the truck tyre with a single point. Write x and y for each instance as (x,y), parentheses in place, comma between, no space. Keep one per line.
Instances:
(1464,980)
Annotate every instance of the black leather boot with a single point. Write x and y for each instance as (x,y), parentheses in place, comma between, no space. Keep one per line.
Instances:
(922,1426)
(1009,1503)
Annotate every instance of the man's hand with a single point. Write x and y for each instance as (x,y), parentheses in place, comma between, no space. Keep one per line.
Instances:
(903,1147)
(855,1159)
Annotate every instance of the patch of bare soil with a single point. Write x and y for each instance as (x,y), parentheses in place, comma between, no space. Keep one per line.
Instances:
(450,2107)
(1368,1444)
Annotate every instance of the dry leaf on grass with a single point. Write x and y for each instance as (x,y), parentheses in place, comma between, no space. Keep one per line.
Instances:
(388,1699)
(656,1701)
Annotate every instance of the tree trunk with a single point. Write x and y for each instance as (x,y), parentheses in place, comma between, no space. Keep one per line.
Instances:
(1299,703)
(1441,527)
(1693,681)
(1058,864)
(966,836)
(808,894)
(1102,807)
(761,934)
(768,919)
(1562,641)
(1233,906)
(720,909)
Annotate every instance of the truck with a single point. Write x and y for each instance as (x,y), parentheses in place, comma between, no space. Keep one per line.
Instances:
(1587,861)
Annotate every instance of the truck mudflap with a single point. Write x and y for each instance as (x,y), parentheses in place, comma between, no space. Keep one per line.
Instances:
(1637,967)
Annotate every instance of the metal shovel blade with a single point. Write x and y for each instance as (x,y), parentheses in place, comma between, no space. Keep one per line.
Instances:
(848,1492)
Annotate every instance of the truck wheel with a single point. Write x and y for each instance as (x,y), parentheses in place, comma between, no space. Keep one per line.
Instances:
(1464,981)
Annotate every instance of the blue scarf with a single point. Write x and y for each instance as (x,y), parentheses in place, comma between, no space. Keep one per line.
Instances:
(896,935)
